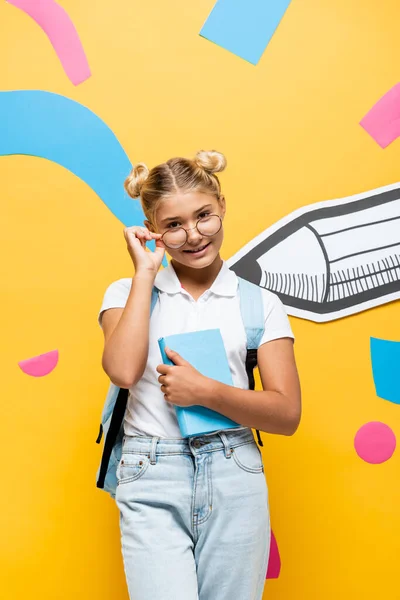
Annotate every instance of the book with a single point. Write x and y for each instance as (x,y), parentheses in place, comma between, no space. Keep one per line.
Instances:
(205,351)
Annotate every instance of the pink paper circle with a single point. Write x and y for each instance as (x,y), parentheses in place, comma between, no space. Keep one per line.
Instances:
(375,442)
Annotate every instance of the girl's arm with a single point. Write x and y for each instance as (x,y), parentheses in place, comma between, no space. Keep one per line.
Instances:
(276,409)
(126,335)
(126,330)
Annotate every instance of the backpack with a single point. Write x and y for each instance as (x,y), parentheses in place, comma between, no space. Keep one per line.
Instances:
(112,419)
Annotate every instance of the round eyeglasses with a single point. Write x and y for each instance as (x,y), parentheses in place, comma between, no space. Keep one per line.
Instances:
(177,236)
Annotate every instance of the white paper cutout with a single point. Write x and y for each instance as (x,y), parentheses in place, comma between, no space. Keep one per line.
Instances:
(331,259)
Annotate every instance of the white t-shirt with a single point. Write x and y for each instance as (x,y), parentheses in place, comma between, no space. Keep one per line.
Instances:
(176,311)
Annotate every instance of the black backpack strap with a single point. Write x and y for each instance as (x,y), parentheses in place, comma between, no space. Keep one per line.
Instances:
(100,434)
(112,433)
(251,363)
(259,440)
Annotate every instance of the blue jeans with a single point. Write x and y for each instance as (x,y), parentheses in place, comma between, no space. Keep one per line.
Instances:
(194,517)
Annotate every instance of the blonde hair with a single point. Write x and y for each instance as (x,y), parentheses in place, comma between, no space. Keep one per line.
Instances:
(173,176)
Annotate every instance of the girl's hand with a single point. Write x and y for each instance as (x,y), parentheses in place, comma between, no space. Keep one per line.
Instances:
(144,260)
(181,384)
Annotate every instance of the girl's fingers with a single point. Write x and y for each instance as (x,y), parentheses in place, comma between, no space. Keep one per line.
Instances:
(140,232)
(152,235)
(163,369)
(136,236)
(131,235)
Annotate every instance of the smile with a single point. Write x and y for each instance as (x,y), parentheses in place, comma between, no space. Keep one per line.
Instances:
(198,250)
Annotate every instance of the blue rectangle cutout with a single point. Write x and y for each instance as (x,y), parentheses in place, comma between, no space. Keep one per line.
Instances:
(385,358)
(244,27)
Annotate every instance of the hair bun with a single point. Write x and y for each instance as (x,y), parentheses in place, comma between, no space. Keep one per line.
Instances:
(211,162)
(135,180)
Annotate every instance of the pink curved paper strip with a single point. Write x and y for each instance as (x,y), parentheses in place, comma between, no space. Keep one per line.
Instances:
(60,30)
(41,365)
(274,564)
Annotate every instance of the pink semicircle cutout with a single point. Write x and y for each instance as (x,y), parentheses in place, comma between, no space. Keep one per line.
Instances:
(274,564)
(41,365)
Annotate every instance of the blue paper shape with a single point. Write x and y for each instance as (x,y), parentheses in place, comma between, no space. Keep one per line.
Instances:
(205,351)
(244,27)
(385,359)
(51,126)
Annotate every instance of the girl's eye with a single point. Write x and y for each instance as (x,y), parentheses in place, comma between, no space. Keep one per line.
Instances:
(173,225)
(204,214)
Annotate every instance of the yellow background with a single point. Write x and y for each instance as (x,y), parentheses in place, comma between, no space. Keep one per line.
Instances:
(289,128)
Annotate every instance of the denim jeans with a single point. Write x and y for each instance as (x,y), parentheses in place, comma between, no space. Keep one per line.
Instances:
(194,517)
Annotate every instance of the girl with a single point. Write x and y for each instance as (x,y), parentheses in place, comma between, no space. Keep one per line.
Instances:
(193,512)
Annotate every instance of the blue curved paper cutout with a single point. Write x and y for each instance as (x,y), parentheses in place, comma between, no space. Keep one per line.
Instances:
(51,126)
(385,359)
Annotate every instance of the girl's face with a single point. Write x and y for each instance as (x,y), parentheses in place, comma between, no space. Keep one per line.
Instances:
(185,210)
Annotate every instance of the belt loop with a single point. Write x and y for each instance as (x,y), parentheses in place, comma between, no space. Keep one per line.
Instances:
(153,449)
(227,446)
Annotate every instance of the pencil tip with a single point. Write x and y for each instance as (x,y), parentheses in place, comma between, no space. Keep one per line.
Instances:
(248,268)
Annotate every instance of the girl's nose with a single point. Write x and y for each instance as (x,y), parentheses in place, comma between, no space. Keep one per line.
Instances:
(193,235)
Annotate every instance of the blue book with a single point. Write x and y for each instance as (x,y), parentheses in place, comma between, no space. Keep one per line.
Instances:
(204,350)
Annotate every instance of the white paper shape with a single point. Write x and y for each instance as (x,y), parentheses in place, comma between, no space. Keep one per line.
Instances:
(331,259)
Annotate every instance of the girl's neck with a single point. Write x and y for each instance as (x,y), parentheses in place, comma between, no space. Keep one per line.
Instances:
(197,281)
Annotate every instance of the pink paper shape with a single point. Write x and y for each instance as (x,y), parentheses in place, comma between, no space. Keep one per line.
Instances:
(60,30)
(41,365)
(382,122)
(375,442)
(274,564)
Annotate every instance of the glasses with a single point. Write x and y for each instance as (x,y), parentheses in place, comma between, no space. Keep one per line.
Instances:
(177,236)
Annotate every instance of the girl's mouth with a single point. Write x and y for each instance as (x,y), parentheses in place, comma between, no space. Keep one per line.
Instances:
(199,250)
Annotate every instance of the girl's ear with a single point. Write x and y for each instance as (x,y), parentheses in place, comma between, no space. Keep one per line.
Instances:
(222,204)
(149,226)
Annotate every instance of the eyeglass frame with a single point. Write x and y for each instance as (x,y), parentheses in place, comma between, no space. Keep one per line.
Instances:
(191,229)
